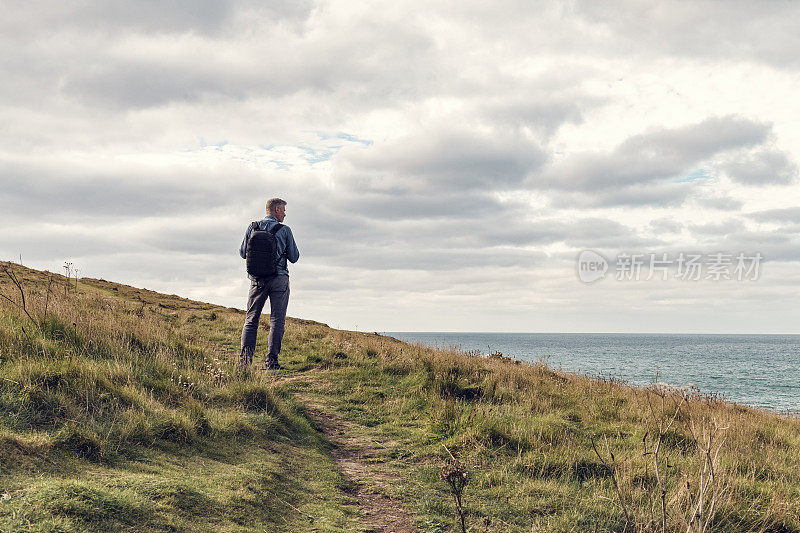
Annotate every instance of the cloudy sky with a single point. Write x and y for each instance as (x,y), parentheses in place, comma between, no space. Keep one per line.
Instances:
(444,162)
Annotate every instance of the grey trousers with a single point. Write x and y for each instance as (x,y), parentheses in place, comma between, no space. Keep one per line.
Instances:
(277,289)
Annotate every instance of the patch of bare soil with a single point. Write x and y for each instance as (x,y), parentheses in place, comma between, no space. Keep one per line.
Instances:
(358,460)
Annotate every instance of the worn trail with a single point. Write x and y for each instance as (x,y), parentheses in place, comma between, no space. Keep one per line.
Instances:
(359,460)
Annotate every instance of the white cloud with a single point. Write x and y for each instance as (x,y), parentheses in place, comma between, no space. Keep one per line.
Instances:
(443,162)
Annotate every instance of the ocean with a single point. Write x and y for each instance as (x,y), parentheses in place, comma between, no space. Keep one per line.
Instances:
(757,370)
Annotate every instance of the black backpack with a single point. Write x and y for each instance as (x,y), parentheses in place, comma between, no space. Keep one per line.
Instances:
(262,252)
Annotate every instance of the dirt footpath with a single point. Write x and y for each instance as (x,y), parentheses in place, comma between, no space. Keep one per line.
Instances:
(357,459)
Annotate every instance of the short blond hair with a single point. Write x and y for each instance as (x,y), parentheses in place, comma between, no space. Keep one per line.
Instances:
(274,203)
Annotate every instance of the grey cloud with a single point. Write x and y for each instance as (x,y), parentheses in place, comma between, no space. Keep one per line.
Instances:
(652,194)
(638,171)
(696,142)
(57,189)
(666,225)
(170,272)
(98,197)
(327,225)
(544,116)
(514,232)
(94,59)
(723,203)
(454,243)
(452,220)
(514,229)
(748,239)
(206,16)
(763,167)
(704,28)
(790,229)
(773,245)
(198,235)
(739,29)
(733,237)
(542,105)
(658,194)
(725,227)
(602,233)
(445,160)
(786,214)
(43,241)
(655,155)
(148,84)
(84,237)
(423,205)
(583,232)
(146,16)
(431,259)
(210,77)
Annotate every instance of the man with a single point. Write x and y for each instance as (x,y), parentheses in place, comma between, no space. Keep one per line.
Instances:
(275,288)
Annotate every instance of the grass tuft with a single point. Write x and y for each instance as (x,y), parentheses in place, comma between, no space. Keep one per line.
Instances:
(81,441)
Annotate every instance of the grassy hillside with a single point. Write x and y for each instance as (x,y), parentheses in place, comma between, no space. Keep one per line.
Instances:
(121,409)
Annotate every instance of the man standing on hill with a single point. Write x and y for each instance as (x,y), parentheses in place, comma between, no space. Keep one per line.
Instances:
(269,277)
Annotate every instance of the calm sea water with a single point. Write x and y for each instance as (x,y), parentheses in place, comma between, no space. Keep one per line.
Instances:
(757,370)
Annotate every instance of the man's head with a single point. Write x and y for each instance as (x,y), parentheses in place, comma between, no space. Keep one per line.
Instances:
(277,208)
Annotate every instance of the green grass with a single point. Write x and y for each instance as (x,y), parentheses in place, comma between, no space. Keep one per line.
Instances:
(525,433)
(121,409)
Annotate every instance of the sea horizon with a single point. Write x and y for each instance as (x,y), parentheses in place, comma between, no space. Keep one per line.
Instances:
(757,369)
(575,333)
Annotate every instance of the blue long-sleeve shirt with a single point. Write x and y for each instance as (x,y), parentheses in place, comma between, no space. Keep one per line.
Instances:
(287,249)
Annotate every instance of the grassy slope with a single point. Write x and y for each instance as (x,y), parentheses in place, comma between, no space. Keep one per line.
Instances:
(122,409)
(119,411)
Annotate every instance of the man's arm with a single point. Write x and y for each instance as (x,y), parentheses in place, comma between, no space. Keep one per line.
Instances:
(243,247)
(290,248)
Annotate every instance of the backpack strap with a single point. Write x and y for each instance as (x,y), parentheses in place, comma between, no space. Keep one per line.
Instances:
(255,226)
